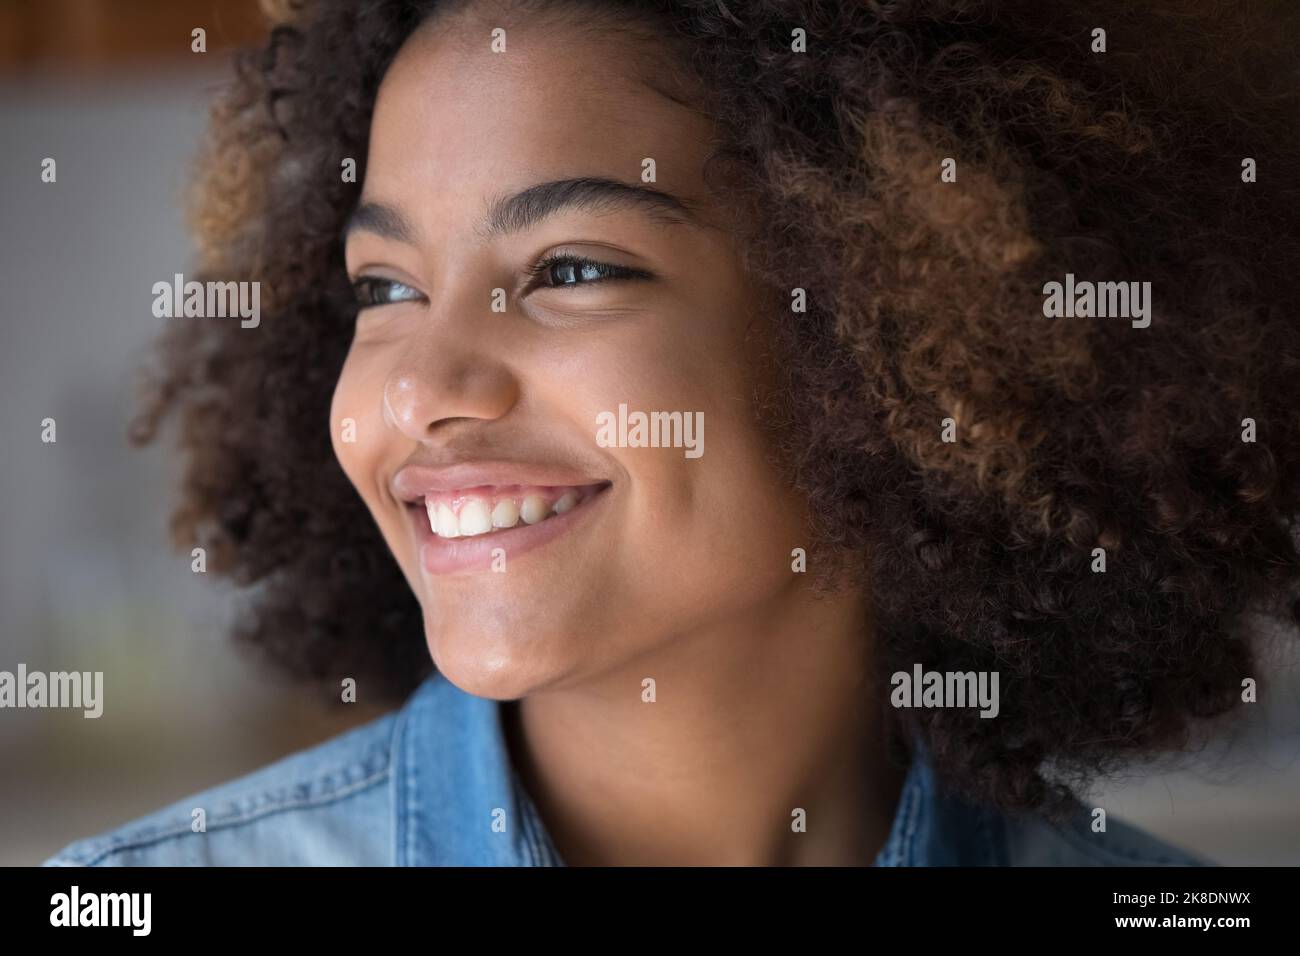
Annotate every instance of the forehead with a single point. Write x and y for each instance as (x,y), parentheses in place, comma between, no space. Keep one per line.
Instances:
(558,102)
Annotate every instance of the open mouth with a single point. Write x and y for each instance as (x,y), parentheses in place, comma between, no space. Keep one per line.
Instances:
(474,528)
(491,510)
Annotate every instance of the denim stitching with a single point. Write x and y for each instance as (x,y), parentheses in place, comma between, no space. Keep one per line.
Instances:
(227,822)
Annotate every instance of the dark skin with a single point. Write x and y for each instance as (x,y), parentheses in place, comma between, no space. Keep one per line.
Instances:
(680,572)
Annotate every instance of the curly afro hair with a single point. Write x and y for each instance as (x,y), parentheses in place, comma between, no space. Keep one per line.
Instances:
(926,310)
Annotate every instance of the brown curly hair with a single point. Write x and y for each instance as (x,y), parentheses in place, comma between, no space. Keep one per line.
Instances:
(925,303)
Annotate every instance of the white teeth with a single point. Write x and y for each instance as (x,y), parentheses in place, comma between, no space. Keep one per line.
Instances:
(505,514)
(447,525)
(474,518)
(534,509)
(479,516)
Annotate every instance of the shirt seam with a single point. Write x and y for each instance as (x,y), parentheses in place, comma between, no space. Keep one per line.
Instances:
(531,824)
(903,852)
(227,822)
(407,787)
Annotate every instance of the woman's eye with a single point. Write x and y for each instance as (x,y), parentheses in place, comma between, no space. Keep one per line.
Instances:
(372,290)
(561,271)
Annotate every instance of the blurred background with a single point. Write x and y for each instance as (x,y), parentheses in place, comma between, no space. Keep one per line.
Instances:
(112,91)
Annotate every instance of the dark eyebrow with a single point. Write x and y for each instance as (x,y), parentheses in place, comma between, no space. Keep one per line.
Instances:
(382,220)
(527,208)
(530,206)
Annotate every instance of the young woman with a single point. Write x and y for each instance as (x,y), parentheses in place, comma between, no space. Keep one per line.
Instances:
(742,433)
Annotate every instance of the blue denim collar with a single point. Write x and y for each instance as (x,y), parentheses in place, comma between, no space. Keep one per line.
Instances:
(458,801)
(934,827)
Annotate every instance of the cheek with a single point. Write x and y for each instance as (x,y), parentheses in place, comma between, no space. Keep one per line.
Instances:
(719,527)
(357,428)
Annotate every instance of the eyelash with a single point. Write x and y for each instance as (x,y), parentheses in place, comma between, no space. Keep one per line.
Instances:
(607,271)
(366,286)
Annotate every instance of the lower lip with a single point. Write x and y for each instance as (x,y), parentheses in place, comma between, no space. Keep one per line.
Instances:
(450,555)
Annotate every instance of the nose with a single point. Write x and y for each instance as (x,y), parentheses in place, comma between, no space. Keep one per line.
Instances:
(429,391)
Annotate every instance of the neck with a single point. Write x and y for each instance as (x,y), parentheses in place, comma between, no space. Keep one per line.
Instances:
(752,723)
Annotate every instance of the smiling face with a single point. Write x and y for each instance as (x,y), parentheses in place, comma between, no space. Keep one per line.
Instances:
(520,282)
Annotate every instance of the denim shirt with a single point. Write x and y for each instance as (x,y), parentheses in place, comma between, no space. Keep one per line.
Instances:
(432,784)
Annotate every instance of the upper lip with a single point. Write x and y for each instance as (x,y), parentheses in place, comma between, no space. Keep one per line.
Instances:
(414,482)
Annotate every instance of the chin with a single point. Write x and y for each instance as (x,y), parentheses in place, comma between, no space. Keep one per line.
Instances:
(492,665)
